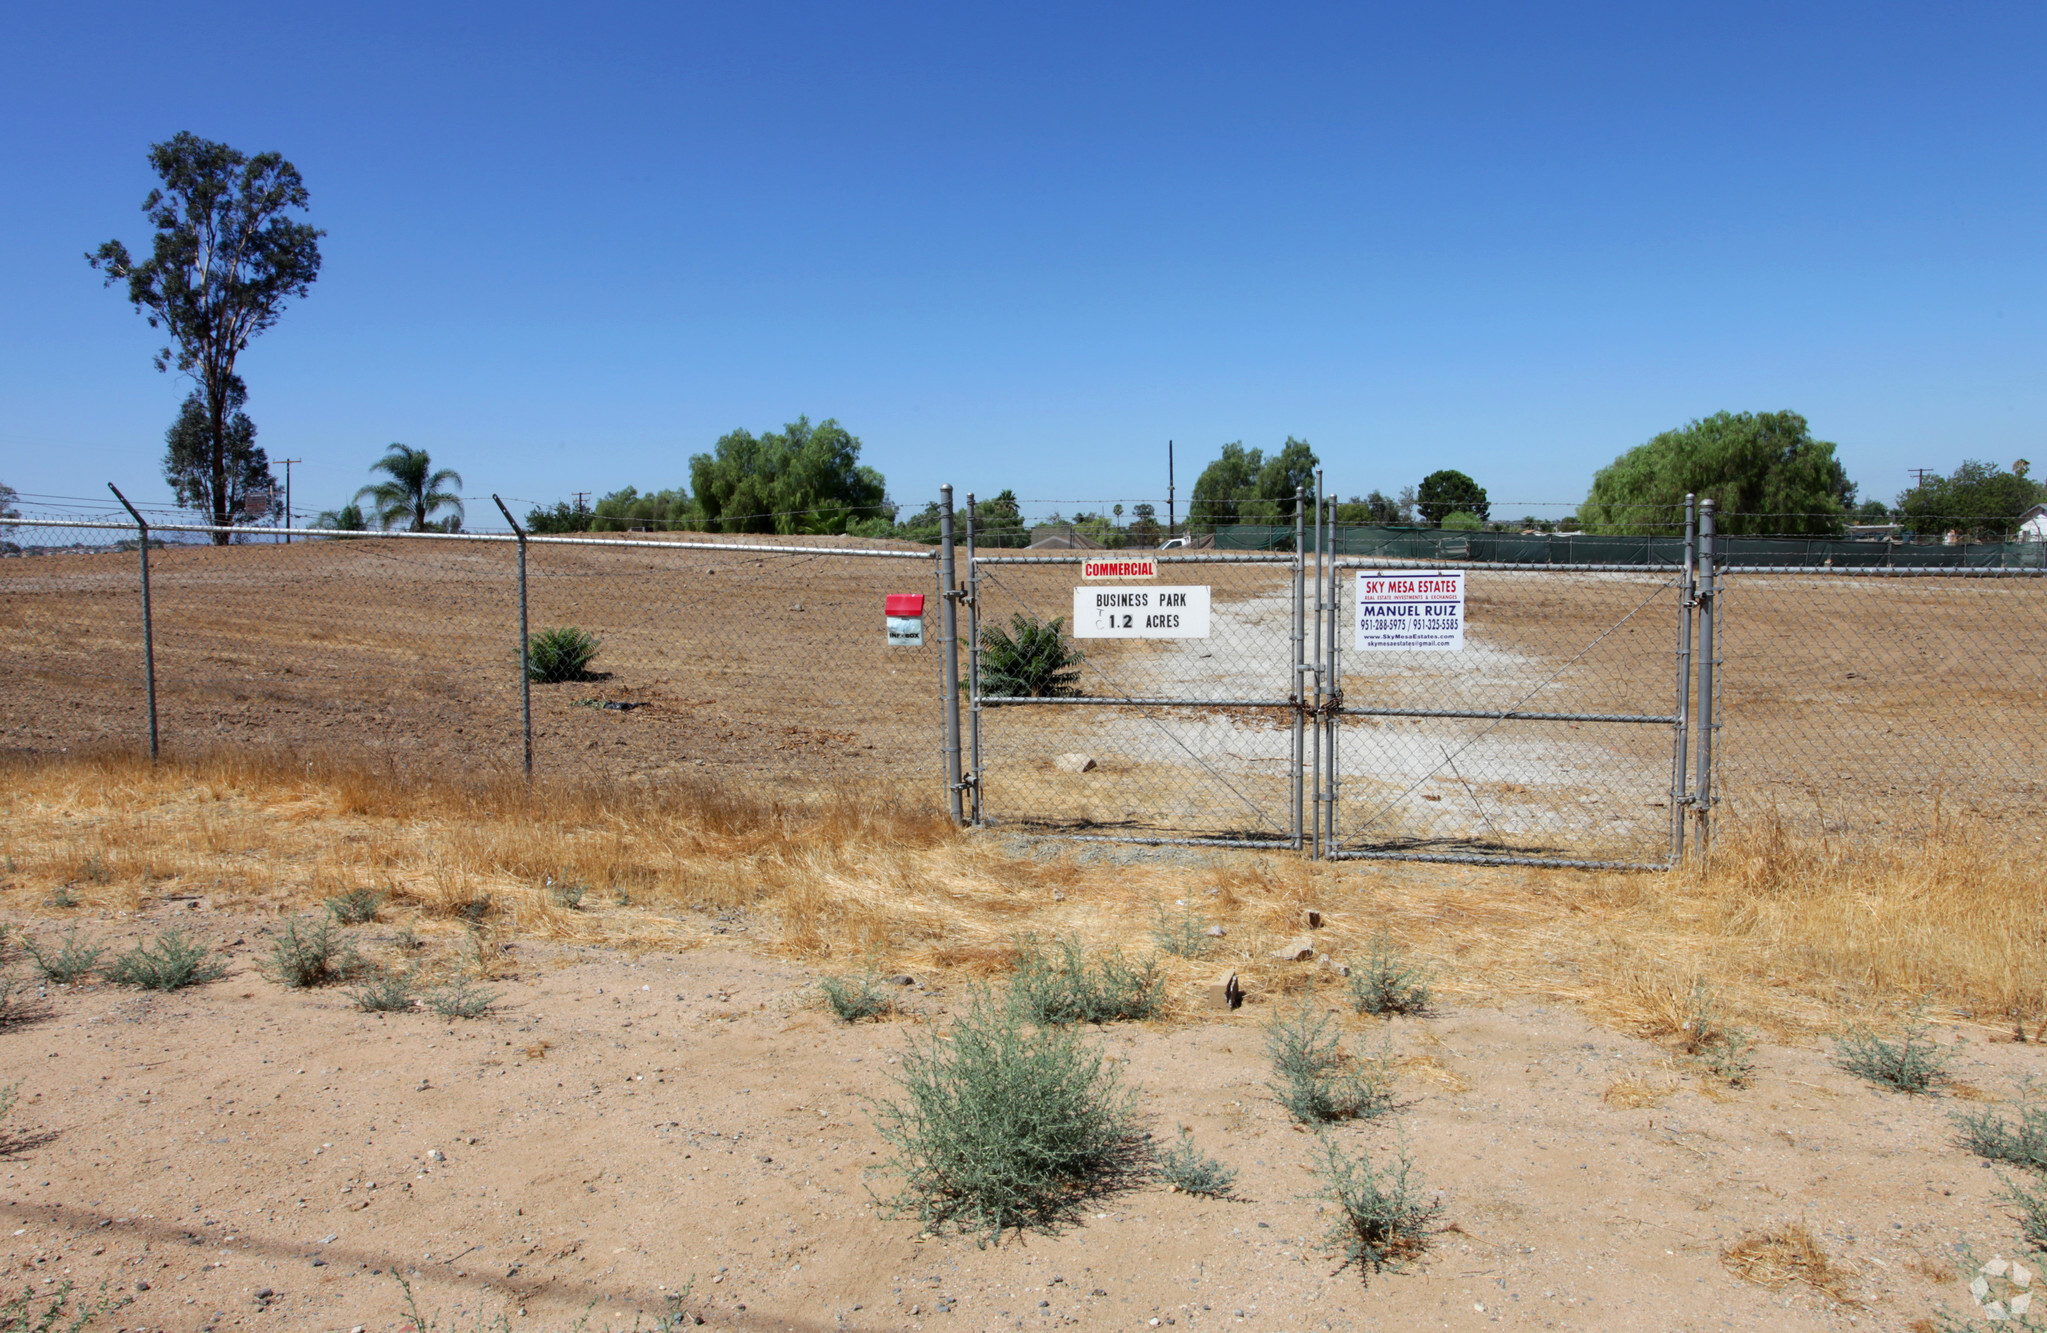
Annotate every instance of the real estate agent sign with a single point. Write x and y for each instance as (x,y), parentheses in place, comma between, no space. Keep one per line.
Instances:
(1411,611)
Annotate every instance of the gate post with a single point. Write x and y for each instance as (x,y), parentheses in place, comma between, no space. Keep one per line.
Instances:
(1708,590)
(1680,790)
(1297,664)
(525,643)
(948,627)
(972,778)
(148,624)
(1332,718)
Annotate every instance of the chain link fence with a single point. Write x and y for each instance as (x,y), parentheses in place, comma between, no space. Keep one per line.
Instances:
(1567,729)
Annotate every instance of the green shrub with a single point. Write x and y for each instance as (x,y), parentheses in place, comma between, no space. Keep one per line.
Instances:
(565,893)
(356,907)
(310,954)
(1383,1221)
(461,1000)
(1187,1169)
(1032,660)
(556,655)
(1063,984)
(63,897)
(1915,1064)
(2022,1142)
(856,997)
(54,1311)
(1315,1080)
(388,993)
(172,963)
(2030,1205)
(1184,934)
(18,1004)
(1382,982)
(1720,1051)
(74,959)
(1004,1122)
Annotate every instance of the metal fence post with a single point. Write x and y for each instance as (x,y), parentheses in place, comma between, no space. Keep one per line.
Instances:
(1680,792)
(1707,596)
(1335,703)
(1318,731)
(148,623)
(1297,663)
(973,777)
(525,642)
(948,623)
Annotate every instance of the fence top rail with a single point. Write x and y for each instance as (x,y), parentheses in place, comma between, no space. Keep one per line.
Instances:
(1887,572)
(371,534)
(1492,567)
(1080,557)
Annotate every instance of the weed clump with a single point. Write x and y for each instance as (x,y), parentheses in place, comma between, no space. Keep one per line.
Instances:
(565,894)
(390,993)
(461,1000)
(1720,1050)
(356,907)
(309,954)
(556,655)
(1315,1079)
(74,958)
(1184,934)
(1191,1171)
(1383,1220)
(173,962)
(17,1003)
(856,997)
(1383,982)
(1007,1122)
(1063,984)
(2021,1142)
(54,1311)
(1915,1064)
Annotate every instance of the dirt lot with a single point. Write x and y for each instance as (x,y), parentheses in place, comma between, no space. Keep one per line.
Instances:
(1848,704)
(627,1127)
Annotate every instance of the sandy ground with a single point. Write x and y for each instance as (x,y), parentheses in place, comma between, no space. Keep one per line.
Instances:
(624,1128)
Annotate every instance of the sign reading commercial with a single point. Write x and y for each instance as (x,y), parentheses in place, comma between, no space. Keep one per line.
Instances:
(1121,568)
(1411,611)
(1140,613)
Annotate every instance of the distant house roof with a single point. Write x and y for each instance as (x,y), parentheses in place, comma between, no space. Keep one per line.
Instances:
(2033,524)
(1061,537)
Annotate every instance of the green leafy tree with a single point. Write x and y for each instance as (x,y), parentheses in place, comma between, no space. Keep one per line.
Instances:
(1872,511)
(348,518)
(1463,521)
(226,259)
(997,522)
(1764,472)
(1244,486)
(1981,499)
(662,511)
(803,478)
(9,508)
(188,457)
(413,495)
(1449,492)
(1145,529)
(559,518)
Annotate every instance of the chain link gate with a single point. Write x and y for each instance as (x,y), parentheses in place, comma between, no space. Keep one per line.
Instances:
(1558,736)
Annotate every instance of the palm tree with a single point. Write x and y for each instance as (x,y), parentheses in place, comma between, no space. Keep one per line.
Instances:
(413,495)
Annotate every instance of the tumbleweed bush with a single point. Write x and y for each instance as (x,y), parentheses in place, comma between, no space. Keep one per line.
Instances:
(1383,1216)
(1384,982)
(73,958)
(1064,983)
(1007,1122)
(173,962)
(1191,1171)
(1314,1078)
(313,953)
(1913,1064)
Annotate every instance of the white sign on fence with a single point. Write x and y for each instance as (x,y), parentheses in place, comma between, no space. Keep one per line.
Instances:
(1411,611)
(1140,613)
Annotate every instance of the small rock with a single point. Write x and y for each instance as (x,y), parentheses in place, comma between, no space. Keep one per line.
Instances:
(1312,918)
(436,1155)
(1215,932)
(902,979)
(142,1286)
(1341,969)
(1224,993)
(265,1294)
(1299,951)
(1074,763)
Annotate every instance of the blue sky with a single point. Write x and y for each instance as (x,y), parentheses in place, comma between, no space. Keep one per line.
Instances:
(570,246)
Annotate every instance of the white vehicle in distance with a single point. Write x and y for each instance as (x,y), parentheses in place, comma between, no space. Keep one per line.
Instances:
(1172,543)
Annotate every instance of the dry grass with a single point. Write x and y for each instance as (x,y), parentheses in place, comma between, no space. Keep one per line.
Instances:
(1789,936)
(1785,1255)
(1636,1091)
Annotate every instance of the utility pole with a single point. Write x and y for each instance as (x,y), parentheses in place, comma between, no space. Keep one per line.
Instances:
(1918,475)
(287,496)
(579,500)
(1169,488)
